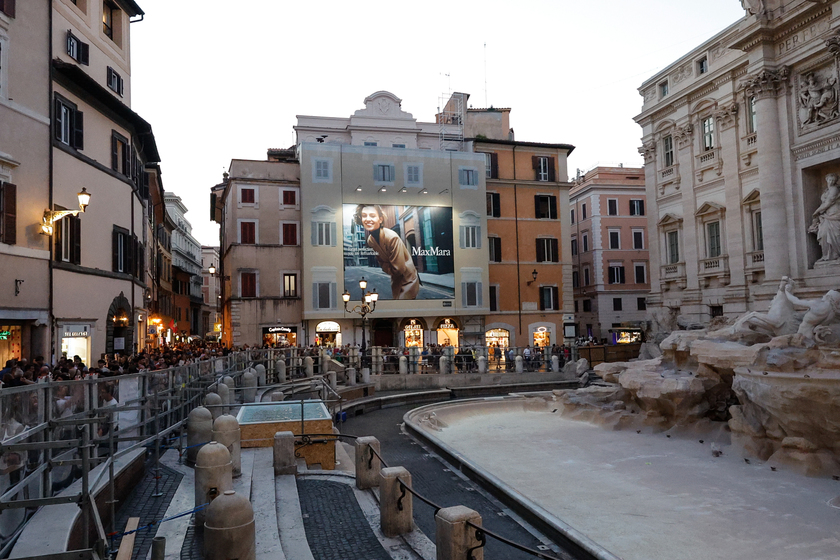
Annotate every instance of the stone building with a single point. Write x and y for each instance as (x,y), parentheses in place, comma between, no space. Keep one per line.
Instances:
(609,246)
(741,137)
(186,262)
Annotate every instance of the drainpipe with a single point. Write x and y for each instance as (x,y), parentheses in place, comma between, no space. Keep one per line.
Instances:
(51,322)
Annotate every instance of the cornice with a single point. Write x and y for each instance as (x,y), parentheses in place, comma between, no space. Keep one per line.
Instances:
(816,147)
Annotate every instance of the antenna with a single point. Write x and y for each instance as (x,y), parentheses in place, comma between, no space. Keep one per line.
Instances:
(485,75)
(448,82)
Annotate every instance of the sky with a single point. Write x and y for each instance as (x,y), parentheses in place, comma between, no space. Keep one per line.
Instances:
(221,80)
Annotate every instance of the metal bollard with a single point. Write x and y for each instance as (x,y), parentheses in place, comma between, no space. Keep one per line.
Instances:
(158,548)
(368,464)
(454,538)
(395,504)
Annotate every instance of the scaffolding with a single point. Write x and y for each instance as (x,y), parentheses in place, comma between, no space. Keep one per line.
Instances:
(450,120)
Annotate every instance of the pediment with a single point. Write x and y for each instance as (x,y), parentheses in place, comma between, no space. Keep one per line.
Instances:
(670,219)
(323,208)
(753,197)
(710,208)
(383,105)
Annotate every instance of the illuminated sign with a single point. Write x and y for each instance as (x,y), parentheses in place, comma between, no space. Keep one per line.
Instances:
(628,337)
(279,329)
(5,335)
(447,324)
(328,326)
(413,326)
(76,331)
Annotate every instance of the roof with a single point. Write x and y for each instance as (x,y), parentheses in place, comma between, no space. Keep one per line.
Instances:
(75,78)
(133,8)
(568,147)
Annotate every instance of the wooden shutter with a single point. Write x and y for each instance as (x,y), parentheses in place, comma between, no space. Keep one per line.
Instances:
(540,250)
(78,130)
(8,7)
(314,234)
(542,298)
(478,237)
(463,294)
(478,294)
(131,262)
(59,233)
(641,207)
(537,206)
(84,53)
(57,119)
(315,295)
(333,296)
(76,239)
(9,232)
(494,166)
(127,159)
(555,254)
(555,292)
(462,237)
(551,174)
(332,234)
(621,274)
(145,190)
(462,176)
(552,207)
(115,153)
(115,250)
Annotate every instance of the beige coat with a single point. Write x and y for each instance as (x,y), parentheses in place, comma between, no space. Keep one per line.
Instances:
(395,260)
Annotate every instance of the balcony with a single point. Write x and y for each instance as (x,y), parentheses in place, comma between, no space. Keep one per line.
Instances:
(672,274)
(754,267)
(714,267)
(749,148)
(667,176)
(708,160)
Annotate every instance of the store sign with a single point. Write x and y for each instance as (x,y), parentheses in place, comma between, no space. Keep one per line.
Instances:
(328,326)
(413,326)
(74,331)
(447,324)
(272,330)
(5,335)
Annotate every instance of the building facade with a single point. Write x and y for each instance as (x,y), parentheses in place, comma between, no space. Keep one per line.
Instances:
(609,243)
(210,290)
(186,262)
(742,136)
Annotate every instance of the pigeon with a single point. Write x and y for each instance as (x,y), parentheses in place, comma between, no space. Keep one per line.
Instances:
(807,376)
(701,441)
(638,431)
(835,477)
(716,452)
(555,410)
(667,435)
(773,469)
(747,461)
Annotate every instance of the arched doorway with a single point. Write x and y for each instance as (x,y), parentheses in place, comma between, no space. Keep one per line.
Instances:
(447,332)
(412,330)
(119,332)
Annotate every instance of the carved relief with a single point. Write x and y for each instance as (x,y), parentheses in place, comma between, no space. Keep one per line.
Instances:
(833,44)
(683,73)
(648,151)
(766,83)
(683,135)
(725,117)
(649,94)
(817,98)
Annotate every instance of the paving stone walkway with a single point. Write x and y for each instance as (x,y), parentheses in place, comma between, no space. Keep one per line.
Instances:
(149,508)
(335,525)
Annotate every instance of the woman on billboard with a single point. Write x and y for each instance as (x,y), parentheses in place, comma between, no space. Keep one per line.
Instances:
(391,252)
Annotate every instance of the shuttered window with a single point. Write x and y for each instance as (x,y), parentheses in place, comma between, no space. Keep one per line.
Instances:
(323,234)
(545,207)
(8,213)
(543,168)
(68,123)
(494,205)
(248,284)
(247,233)
(547,250)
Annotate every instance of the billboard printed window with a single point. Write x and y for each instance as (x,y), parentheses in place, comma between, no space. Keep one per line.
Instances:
(404,252)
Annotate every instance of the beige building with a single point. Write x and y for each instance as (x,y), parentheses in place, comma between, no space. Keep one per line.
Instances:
(609,246)
(741,137)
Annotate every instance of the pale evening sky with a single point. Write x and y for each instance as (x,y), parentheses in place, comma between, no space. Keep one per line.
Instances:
(220,80)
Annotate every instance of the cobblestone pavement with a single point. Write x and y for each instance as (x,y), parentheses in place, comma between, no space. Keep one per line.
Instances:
(193,548)
(432,478)
(150,509)
(336,527)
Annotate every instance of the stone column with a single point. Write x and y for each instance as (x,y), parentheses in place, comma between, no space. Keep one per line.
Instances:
(453,537)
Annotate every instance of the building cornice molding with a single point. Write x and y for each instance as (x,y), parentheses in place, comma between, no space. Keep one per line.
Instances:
(816,147)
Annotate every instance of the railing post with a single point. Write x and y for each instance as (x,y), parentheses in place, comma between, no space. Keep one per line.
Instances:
(454,538)
(396,513)
(367,462)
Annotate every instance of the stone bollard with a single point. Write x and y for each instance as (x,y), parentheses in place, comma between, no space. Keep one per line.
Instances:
(158,548)
(520,364)
(231,385)
(280,366)
(396,515)
(308,367)
(367,464)
(403,365)
(229,528)
(213,402)
(351,376)
(453,536)
(332,378)
(555,364)
(285,461)
(278,396)
(226,431)
(249,387)
(482,364)
(224,393)
(365,375)
(261,378)
(444,365)
(199,431)
(213,475)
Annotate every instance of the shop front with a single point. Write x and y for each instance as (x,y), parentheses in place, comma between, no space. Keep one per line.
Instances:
(280,335)
(447,332)
(497,337)
(75,341)
(542,334)
(412,332)
(10,343)
(328,333)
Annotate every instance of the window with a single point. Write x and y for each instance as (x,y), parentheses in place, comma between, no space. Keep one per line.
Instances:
(110,13)
(120,154)
(383,173)
(616,304)
(616,274)
(668,150)
(323,234)
(637,207)
(638,239)
(8,7)
(615,239)
(703,65)
(323,295)
(68,123)
(547,250)
(583,211)
(494,205)
(713,235)
(663,88)
(715,310)
(586,277)
(68,240)
(468,177)
(641,304)
(470,237)
(398,145)
(115,81)
(576,306)
(587,305)
(549,300)
(412,175)
(708,133)
(8,213)
(494,298)
(289,198)
(322,171)
(575,279)
(247,284)
(673,247)
(585,238)
(289,233)
(247,232)
(612,207)
(640,272)
(471,294)
(543,168)
(247,196)
(574,246)
(495,249)
(491,166)
(371,144)
(545,207)
(119,247)
(77,49)
(752,118)
(758,232)
(290,285)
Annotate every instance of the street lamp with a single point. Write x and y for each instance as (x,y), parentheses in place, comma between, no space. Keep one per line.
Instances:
(368,305)
(52,216)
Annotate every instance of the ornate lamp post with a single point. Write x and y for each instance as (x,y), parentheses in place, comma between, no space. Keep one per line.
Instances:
(368,305)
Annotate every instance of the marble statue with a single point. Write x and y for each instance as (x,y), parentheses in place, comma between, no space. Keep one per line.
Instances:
(826,220)
(818,100)
(779,319)
(821,312)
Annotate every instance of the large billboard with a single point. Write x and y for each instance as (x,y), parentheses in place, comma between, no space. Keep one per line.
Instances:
(404,252)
